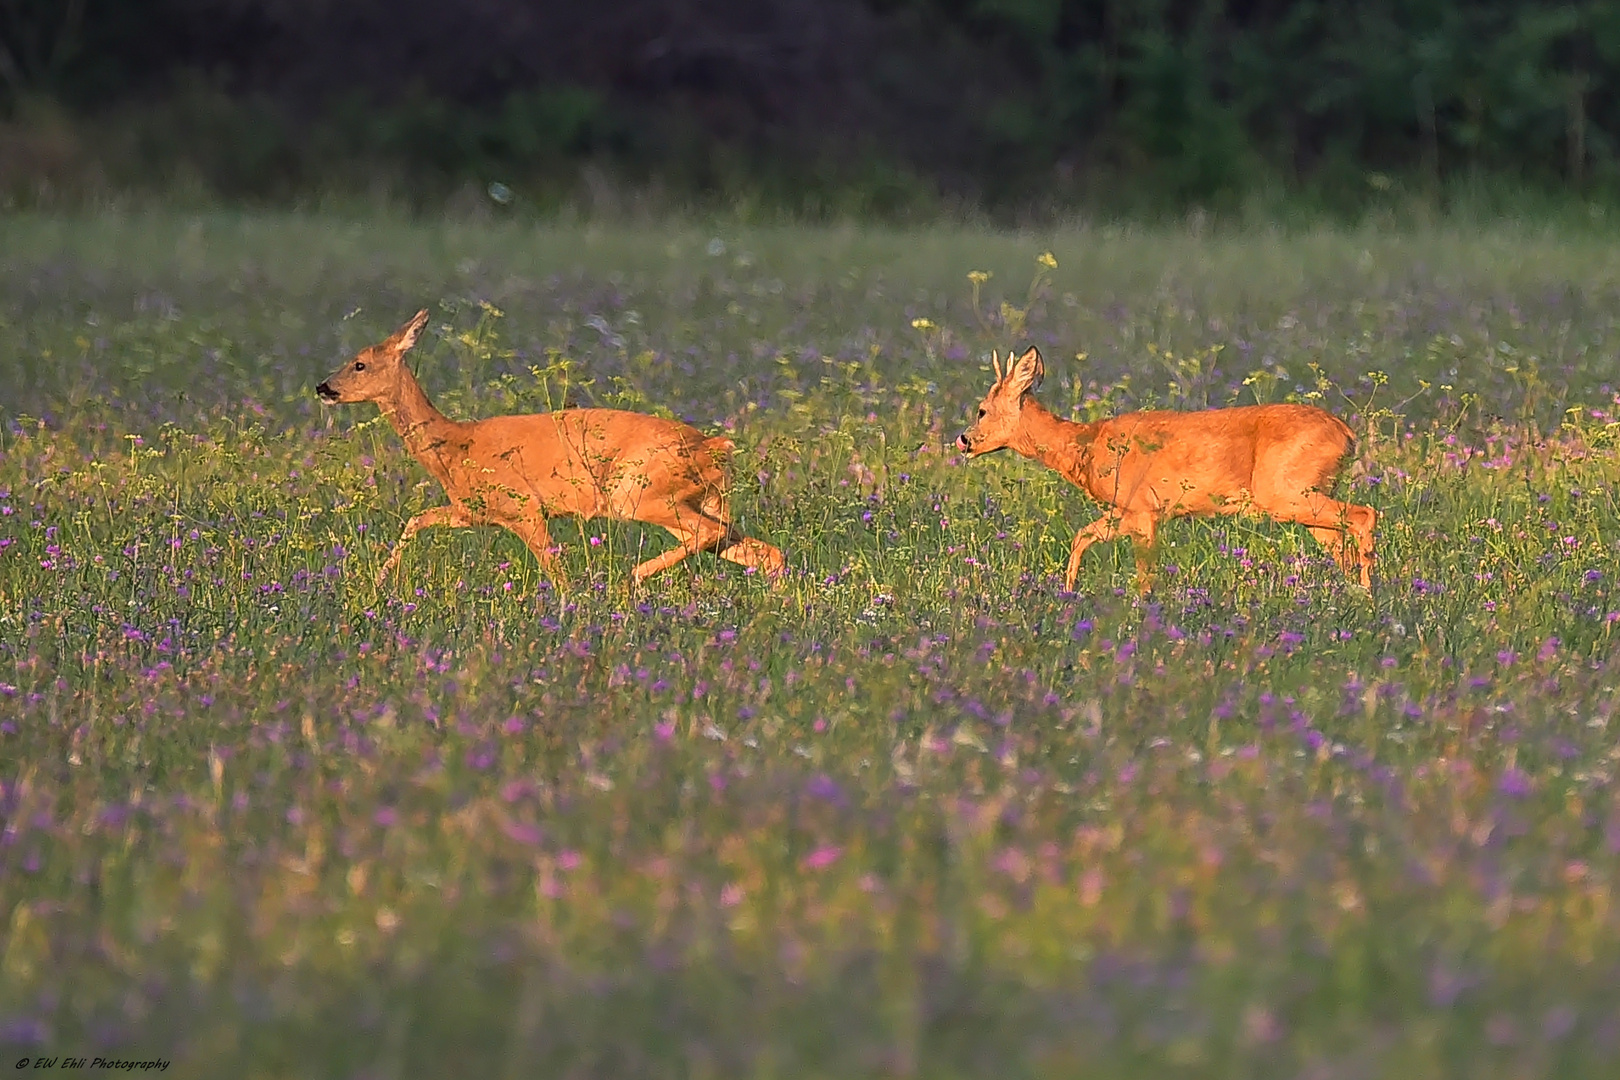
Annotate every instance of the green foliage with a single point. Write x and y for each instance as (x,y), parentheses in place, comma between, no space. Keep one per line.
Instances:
(893,106)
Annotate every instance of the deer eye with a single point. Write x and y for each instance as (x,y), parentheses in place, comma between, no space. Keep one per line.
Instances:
(981,414)
(359,365)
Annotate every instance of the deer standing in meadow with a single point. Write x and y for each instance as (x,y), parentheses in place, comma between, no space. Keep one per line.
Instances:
(516,471)
(1278,460)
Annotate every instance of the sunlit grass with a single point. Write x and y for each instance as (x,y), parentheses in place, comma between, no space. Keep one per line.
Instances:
(918,811)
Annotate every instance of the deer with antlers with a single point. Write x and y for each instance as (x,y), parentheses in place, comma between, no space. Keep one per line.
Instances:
(517,471)
(1279,460)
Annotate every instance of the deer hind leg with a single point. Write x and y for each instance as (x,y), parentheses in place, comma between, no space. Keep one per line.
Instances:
(693,533)
(451,516)
(1359,522)
(1337,526)
(1363,520)
(708,528)
(747,551)
(735,546)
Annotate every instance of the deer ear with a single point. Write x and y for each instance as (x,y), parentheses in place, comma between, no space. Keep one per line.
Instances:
(406,336)
(1025,373)
(995,363)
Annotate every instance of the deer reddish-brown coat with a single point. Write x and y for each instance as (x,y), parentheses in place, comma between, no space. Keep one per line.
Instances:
(1279,460)
(516,471)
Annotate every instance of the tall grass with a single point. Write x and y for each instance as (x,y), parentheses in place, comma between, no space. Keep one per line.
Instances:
(920,811)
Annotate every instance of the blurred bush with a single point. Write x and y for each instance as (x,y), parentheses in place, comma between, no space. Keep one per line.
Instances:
(867,105)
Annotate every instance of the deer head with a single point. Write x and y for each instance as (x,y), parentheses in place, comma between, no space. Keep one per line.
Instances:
(374,372)
(999,411)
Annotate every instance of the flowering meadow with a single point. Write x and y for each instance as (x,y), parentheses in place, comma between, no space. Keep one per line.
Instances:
(916,811)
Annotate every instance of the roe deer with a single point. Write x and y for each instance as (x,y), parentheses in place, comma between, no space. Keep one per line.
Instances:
(1279,460)
(516,471)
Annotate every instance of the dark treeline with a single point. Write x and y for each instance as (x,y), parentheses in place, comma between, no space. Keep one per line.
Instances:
(877,104)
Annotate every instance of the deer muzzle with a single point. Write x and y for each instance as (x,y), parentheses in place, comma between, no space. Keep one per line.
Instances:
(326,393)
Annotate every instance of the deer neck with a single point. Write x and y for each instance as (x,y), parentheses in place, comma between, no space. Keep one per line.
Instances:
(1060,445)
(421,426)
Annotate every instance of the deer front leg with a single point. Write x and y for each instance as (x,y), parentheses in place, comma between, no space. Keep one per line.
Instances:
(1104,528)
(1144,530)
(452,516)
(533,532)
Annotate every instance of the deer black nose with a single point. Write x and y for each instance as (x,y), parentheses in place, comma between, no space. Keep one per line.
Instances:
(326,393)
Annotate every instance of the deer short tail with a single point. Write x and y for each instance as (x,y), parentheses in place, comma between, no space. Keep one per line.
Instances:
(1350,440)
(719,448)
(1352,446)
